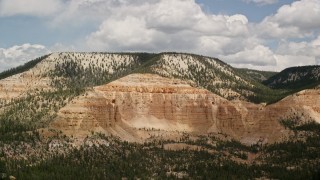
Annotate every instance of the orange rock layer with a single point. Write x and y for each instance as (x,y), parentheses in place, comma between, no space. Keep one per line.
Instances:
(151,101)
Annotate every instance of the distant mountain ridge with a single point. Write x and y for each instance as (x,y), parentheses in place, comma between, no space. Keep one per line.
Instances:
(295,78)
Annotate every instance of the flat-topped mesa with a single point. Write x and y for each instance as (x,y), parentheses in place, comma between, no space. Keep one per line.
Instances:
(153,102)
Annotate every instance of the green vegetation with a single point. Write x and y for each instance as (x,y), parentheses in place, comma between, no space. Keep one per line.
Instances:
(262,93)
(131,160)
(300,155)
(218,77)
(295,78)
(73,75)
(70,73)
(22,117)
(214,159)
(256,75)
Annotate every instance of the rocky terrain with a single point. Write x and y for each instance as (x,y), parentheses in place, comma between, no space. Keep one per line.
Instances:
(167,100)
(153,102)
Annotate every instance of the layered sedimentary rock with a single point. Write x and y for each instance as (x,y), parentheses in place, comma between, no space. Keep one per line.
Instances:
(140,101)
(151,101)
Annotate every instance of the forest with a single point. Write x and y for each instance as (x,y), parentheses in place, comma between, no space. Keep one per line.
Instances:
(215,158)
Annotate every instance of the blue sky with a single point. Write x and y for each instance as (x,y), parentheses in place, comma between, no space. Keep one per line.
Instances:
(255,12)
(258,34)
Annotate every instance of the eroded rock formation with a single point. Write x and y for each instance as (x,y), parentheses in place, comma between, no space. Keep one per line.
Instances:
(150,101)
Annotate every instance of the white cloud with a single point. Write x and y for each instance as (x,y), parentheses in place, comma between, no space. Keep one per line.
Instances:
(289,54)
(59,47)
(84,12)
(181,25)
(318,60)
(304,14)
(316,42)
(30,7)
(166,25)
(168,15)
(298,20)
(284,61)
(129,33)
(259,56)
(298,48)
(18,55)
(222,25)
(261,2)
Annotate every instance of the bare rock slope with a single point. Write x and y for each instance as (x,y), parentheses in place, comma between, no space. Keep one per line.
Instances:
(153,102)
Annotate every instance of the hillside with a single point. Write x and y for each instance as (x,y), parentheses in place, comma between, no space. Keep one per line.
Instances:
(199,71)
(295,78)
(256,75)
(83,70)
(22,68)
(122,111)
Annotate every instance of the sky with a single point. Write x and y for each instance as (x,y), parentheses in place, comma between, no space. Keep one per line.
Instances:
(257,34)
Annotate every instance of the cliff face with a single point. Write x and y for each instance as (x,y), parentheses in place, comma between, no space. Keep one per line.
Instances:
(140,101)
(150,101)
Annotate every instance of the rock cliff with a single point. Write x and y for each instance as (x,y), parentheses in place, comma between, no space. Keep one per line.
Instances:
(152,102)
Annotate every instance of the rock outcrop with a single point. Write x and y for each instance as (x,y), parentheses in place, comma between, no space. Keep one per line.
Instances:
(153,102)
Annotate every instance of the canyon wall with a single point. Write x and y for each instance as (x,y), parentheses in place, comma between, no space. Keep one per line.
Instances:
(153,102)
